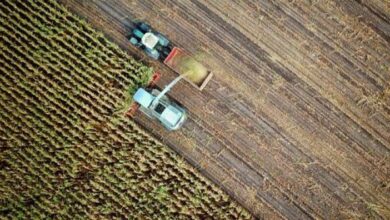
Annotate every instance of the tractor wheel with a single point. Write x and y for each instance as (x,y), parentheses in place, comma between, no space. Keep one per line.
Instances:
(152,53)
(162,40)
(137,33)
(134,41)
(144,27)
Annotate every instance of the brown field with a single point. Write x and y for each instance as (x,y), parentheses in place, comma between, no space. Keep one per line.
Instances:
(296,121)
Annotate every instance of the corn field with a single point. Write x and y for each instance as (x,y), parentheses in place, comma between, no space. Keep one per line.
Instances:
(66,150)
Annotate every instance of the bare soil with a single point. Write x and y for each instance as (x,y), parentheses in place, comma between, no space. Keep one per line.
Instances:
(296,121)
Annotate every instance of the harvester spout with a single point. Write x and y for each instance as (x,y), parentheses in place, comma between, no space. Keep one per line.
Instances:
(167,88)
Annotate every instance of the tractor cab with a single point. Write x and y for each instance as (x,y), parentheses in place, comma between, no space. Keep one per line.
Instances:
(153,43)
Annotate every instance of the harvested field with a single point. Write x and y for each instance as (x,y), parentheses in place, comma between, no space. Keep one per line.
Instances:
(66,150)
(296,122)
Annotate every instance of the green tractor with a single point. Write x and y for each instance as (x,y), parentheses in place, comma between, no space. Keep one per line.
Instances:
(155,45)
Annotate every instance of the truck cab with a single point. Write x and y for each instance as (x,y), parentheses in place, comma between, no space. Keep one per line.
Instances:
(169,114)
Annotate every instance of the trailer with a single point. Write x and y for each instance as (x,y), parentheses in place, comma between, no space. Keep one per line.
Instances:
(158,47)
(175,61)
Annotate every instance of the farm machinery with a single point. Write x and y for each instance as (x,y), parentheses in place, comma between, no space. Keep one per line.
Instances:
(153,102)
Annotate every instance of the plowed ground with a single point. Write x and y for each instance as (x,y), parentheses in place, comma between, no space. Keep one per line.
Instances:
(296,122)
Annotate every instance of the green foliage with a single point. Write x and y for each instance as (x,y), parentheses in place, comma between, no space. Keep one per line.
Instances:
(66,154)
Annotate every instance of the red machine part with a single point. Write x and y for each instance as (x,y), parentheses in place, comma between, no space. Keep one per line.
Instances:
(155,77)
(171,55)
